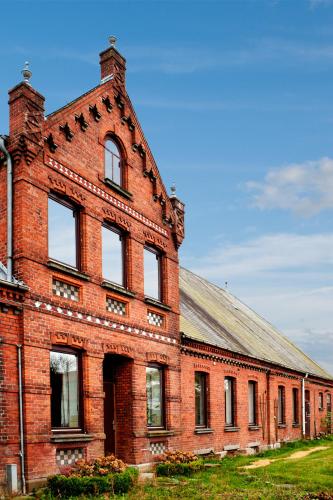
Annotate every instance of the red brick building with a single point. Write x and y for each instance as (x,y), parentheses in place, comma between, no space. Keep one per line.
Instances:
(94,354)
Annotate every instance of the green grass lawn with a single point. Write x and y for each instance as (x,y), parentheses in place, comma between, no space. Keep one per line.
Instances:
(282,479)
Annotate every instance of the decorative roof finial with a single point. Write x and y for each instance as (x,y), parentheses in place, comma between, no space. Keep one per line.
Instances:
(112,40)
(173,190)
(26,73)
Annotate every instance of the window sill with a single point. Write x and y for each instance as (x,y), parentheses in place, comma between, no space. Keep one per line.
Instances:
(282,426)
(71,438)
(53,264)
(118,189)
(295,425)
(157,303)
(118,289)
(159,433)
(231,429)
(254,427)
(205,430)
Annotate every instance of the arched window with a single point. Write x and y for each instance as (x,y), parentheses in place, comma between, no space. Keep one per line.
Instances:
(112,162)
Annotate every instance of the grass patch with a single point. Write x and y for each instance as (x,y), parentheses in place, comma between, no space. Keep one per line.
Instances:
(282,479)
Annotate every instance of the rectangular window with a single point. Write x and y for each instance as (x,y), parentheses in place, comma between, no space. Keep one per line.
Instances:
(154,385)
(281,405)
(152,272)
(229,398)
(113,255)
(321,401)
(200,399)
(63,229)
(64,390)
(252,401)
(295,406)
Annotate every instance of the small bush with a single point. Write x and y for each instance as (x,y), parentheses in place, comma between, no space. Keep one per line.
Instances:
(69,486)
(101,466)
(181,469)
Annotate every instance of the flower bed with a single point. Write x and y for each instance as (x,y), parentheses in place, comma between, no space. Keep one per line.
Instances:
(178,463)
(105,474)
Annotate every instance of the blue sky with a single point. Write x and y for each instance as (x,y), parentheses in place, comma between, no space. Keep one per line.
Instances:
(236,101)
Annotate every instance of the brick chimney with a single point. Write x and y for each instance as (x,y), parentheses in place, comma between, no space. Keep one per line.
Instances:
(26,118)
(178,206)
(113,64)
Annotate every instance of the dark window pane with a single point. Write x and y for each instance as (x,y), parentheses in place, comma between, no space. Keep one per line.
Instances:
(65,390)
(113,267)
(295,406)
(200,400)
(229,400)
(151,274)
(62,222)
(154,396)
(252,402)
(281,404)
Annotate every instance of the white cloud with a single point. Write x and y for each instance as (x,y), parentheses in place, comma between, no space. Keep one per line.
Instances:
(319,3)
(304,188)
(287,278)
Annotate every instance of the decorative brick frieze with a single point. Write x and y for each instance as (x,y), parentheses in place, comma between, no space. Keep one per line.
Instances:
(116,306)
(65,290)
(103,194)
(157,448)
(155,319)
(105,323)
(69,456)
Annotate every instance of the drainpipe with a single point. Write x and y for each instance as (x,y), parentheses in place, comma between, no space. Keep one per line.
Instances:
(19,357)
(9,210)
(268,408)
(303,403)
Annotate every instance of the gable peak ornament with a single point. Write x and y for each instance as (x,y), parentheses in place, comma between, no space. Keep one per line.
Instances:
(26,73)
(112,41)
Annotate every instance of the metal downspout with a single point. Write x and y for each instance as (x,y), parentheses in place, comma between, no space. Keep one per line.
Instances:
(303,404)
(268,408)
(22,457)
(9,210)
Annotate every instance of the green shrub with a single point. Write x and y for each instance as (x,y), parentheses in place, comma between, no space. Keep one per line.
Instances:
(181,468)
(63,486)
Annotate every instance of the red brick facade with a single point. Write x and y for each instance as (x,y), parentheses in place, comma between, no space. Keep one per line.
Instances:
(64,155)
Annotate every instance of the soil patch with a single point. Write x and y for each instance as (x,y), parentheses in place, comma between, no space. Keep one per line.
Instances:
(294,456)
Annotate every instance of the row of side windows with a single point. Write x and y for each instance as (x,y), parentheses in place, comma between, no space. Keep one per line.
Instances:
(64,247)
(202,404)
(66,403)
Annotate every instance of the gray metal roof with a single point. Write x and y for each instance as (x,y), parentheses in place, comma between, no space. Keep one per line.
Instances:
(214,316)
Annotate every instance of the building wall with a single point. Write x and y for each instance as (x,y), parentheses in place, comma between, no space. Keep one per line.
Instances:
(47,161)
(217,436)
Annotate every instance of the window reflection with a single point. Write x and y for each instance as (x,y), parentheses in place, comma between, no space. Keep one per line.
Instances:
(112,162)
(154,396)
(62,231)
(152,287)
(113,255)
(65,390)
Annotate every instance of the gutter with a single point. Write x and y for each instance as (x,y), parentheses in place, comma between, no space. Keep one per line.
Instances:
(303,404)
(9,209)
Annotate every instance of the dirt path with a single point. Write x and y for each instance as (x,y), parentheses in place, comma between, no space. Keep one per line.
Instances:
(294,456)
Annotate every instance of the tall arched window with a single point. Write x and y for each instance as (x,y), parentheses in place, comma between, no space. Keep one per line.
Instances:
(112,162)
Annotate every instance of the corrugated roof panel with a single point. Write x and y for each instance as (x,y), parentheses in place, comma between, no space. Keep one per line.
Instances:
(214,316)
